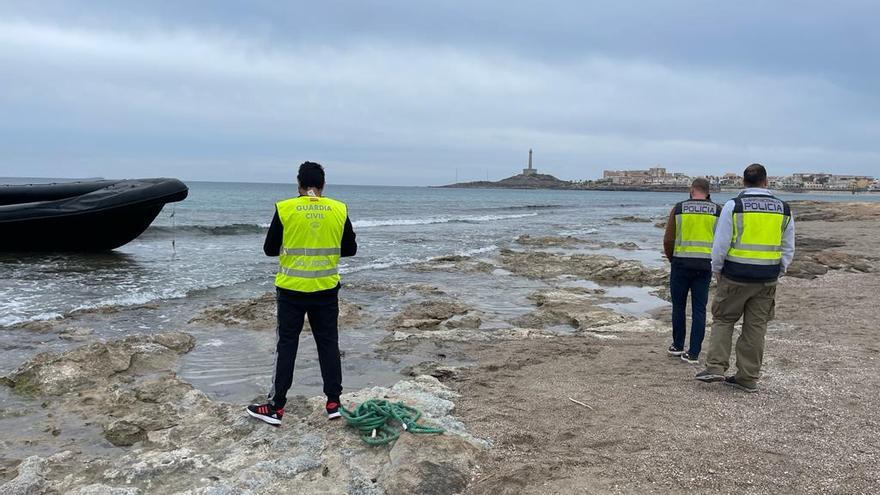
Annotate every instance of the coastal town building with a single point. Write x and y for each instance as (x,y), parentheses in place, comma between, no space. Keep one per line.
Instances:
(654,176)
(831,182)
(801,181)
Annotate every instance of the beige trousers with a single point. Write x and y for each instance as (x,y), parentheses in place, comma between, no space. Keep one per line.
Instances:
(753,302)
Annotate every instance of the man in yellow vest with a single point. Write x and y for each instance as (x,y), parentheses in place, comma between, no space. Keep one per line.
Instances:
(688,246)
(754,244)
(309,234)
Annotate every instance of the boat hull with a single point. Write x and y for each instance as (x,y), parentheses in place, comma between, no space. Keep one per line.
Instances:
(99,216)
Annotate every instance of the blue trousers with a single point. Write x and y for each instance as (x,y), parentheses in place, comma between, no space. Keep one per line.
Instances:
(681,281)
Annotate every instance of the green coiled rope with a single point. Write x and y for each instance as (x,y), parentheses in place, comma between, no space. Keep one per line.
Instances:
(373,419)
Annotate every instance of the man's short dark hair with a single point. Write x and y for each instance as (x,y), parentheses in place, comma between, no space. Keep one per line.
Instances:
(754,175)
(310,174)
(701,184)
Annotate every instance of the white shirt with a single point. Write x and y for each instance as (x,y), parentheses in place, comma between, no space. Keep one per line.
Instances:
(724,234)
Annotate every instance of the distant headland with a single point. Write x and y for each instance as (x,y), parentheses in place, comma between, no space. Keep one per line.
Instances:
(531,179)
(658,179)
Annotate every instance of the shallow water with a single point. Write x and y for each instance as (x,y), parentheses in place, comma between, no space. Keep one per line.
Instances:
(152,285)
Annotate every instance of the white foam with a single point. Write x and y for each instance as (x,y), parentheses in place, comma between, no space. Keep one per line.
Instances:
(575,233)
(8,321)
(471,252)
(435,220)
(133,299)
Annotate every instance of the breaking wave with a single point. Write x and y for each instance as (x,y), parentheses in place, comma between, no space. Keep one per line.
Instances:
(436,220)
(255,228)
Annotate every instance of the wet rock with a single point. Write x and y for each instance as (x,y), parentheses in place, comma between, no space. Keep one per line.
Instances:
(428,465)
(109,310)
(640,325)
(661,224)
(55,374)
(254,313)
(439,371)
(260,314)
(837,260)
(123,433)
(629,246)
(574,307)
(365,286)
(452,263)
(182,442)
(402,340)
(101,489)
(427,314)
(426,289)
(76,333)
(466,321)
(806,211)
(633,219)
(813,244)
(814,257)
(527,240)
(39,326)
(29,481)
(543,265)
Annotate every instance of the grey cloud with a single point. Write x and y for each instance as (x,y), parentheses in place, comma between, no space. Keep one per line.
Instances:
(407,93)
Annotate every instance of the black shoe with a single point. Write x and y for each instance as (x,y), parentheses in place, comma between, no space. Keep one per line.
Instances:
(708,377)
(675,351)
(686,357)
(735,384)
(267,413)
(332,410)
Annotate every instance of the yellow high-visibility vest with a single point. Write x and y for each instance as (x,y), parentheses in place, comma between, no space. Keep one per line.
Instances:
(695,222)
(311,245)
(759,222)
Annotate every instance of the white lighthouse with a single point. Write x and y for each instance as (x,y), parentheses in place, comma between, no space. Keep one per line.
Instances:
(530,170)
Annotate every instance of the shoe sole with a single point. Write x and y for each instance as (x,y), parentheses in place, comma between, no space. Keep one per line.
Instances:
(265,419)
(332,416)
(709,379)
(674,353)
(740,387)
(695,361)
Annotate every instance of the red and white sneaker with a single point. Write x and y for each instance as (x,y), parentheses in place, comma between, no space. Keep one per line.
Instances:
(267,413)
(333,410)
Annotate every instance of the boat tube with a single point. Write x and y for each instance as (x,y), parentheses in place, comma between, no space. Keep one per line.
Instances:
(95,215)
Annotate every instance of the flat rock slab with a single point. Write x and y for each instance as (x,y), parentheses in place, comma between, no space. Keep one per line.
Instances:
(260,314)
(179,441)
(544,265)
(430,314)
(578,308)
(51,373)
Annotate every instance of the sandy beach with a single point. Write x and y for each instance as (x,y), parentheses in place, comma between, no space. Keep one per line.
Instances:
(570,321)
(650,428)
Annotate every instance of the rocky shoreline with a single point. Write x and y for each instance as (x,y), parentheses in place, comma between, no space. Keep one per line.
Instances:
(142,429)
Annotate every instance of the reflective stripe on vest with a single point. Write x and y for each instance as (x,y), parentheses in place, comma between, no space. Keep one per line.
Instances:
(695,222)
(309,257)
(758,225)
(311,252)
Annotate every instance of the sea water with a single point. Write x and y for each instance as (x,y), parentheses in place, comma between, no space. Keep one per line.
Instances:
(208,249)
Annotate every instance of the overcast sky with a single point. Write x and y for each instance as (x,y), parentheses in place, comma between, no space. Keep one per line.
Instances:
(404,92)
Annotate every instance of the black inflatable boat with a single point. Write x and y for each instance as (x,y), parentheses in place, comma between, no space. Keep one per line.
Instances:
(81,216)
